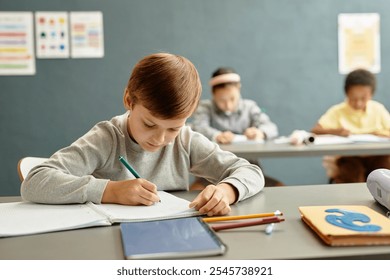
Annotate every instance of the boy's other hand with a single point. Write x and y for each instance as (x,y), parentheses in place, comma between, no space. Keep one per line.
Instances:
(131,192)
(215,200)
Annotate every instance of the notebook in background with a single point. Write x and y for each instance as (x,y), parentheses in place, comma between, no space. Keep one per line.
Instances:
(329,139)
(170,239)
(242,139)
(347,225)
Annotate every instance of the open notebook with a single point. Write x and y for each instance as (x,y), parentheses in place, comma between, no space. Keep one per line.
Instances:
(24,218)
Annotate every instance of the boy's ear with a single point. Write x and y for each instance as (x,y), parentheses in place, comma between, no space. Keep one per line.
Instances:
(127,100)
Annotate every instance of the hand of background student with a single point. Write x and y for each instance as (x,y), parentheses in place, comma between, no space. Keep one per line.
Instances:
(225,137)
(131,192)
(215,200)
(341,132)
(318,129)
(381,134)
(253,133)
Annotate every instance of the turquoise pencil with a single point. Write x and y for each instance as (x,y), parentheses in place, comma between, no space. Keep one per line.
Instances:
(128,166)
(131,169)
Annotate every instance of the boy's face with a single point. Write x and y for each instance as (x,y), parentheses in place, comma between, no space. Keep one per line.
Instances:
(227,98)
(358,96)
(149,132)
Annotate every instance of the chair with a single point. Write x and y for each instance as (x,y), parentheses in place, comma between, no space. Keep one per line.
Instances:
(26,164)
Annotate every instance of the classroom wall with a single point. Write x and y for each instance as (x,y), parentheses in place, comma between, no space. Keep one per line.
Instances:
(285,51)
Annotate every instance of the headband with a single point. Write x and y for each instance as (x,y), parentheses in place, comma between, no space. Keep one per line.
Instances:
(225,78)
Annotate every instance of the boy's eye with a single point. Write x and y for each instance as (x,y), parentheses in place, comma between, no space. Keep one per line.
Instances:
(148,125)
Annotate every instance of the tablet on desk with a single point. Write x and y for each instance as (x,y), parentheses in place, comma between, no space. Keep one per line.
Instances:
(170,239)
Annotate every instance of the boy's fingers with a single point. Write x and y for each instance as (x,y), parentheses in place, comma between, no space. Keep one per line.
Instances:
(151,197)
(201,199)
(213,205)
(145,201)
(148,185)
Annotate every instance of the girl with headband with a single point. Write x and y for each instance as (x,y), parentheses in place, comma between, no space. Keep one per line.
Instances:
(227,114)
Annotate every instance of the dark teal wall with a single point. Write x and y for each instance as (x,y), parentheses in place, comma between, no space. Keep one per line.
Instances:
(285,51)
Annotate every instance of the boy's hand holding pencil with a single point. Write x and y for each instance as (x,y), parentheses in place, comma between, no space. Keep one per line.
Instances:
(130,192)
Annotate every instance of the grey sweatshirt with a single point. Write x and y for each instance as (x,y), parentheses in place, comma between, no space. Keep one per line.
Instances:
(210,120)
(81,171)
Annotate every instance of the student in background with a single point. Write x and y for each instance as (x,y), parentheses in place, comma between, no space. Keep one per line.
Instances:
(162,92)
(358,114)
(227,114)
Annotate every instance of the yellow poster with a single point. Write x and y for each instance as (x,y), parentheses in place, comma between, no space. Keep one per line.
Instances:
(359,42)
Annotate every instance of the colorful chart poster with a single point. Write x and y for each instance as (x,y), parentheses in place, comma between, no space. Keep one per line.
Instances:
(52,34)
(359,42)
(87,34)
(16,43)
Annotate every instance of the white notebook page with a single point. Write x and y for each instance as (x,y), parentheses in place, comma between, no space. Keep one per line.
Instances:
(23,218)
(170,207)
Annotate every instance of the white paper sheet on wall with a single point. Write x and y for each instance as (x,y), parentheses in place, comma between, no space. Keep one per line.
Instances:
(87,39)
(52,34)
(16,43)
(359,42)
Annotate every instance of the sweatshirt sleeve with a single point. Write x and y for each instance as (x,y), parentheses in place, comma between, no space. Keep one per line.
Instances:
(207,160)
(262,121)
(202,122)
(66,177)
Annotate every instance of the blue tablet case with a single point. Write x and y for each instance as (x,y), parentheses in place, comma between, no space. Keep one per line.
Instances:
(170,239)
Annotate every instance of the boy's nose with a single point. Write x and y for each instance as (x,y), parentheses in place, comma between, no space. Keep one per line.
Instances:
(159,138)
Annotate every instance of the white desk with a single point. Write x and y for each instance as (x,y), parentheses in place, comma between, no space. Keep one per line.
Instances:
(272,150)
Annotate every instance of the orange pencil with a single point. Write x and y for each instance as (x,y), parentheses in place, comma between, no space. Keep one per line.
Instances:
(242,217)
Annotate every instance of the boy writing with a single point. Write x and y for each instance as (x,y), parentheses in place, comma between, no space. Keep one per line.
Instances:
(162,92)
(358,114)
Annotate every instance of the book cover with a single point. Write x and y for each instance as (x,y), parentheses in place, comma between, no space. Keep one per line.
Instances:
(347,225)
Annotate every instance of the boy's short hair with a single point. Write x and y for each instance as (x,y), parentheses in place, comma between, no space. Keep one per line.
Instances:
(360,77)
(222,71)
(168,85)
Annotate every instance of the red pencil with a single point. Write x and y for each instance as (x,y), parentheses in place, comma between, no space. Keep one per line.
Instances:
(263,221)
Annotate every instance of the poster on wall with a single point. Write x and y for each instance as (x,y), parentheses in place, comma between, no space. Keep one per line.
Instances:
(86,34)
(359,42)
(52,34)
(16,43)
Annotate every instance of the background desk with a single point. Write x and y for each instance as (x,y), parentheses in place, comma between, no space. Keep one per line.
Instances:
(291,239)
(272,150)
